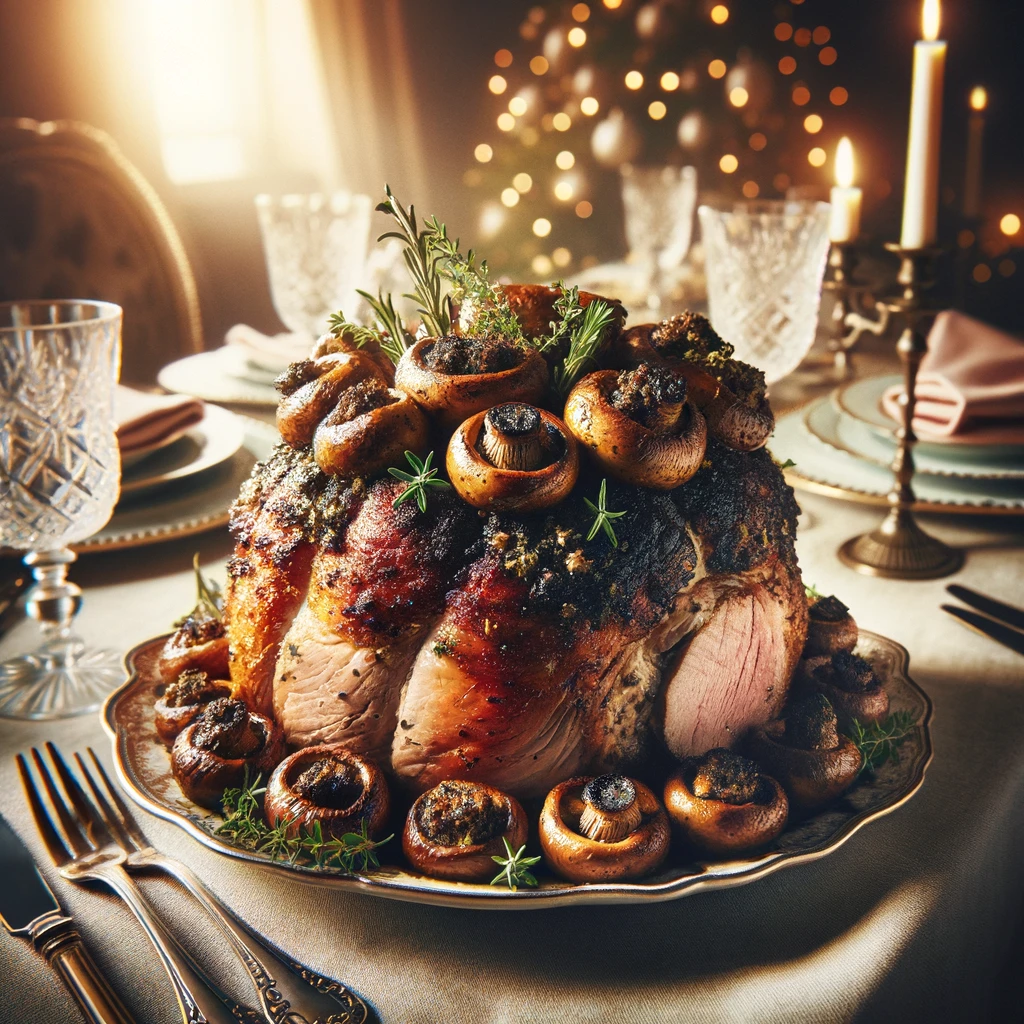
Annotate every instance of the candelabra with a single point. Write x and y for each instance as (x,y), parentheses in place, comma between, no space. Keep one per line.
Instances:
(852,303)
(898,547)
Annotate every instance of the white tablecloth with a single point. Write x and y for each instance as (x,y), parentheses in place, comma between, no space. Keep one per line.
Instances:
(909,920)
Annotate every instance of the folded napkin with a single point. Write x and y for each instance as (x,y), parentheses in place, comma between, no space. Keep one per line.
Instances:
(145,421)
(269,352)
(970,388)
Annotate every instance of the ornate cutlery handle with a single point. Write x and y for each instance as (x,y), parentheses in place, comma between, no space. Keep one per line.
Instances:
(59,942)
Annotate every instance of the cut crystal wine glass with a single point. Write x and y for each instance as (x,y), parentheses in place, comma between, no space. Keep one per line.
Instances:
(60,474)
(764,263)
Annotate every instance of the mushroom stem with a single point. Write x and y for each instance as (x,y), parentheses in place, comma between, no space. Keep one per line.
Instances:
(664,417)
(512,437)
(610,809)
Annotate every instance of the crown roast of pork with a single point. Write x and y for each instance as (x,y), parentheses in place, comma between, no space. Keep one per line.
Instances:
(513,457)
(638,425)
(453,377)
(330,785)
(850,685)
(731,395)
(184,700)
(455,830)
(807,754)
(603,829)
(722,803)
(830,628)
(223,744)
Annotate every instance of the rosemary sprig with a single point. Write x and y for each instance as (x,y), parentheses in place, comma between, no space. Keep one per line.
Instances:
(394,339)
(881,742)
(604,517)
(417,482)
(421,258)
(585,329)
(244,825)
(515,868)
(339,324)
(209,600)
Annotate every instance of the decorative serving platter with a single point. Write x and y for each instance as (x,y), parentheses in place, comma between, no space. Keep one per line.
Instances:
(143,768)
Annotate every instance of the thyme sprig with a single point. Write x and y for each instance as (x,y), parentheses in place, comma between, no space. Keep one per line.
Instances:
(812,592)
(353,852)
(881,742)
(339,325)
(418,482)
(585,329)
(604,516)
(394,338)
(209,600)
(515,868)
(421,258)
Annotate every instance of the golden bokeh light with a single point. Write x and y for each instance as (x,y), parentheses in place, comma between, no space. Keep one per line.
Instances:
(613,5)
(580,12)
(758,141)
(728,163)
(577,37)
(738,96)
(537,14)
(542,227)
(1007,267)
(522,182)
(802,37)
(821,35)
(828,55)
(561,122)
(982,273)
(965,239)
(509,197)
(564,190)
(783,31)
(506,122)
(670,81)
(979,98)
(751,190)
(483,153)
(1009,224)
(634,80)
(528,30)
(517,106)
(781,182)
(817,157)
(719,14)
(561,257)
(801,95)
(657,110)
(813,124)
(787,65)
(838,96)
(542,265)
(583,208)
(497,84)
(539,65)
(717,69)
(564,160)
(503,58)
(589,106)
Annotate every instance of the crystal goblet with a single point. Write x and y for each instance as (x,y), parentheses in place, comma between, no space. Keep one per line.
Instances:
(659,204)
(315,246)
(60,475)
(764,263)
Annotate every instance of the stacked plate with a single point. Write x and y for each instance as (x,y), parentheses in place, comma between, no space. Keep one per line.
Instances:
(223,374)
(843,445)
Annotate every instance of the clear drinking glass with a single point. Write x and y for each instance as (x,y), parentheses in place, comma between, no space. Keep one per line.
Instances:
(316,247)
(764,265)
(60,475)
(659,203)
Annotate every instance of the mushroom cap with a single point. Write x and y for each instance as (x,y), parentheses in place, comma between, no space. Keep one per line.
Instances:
(628,450)
(868,706)
(204,775)
(469,863)
(283,802)
(718,827)
(811,778)
(485,486)
(171,719)
(579,859)
(371,441)
(299,413)
(450,398)
(328,344)
(828,637)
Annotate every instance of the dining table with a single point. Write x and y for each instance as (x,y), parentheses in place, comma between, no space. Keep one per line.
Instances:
(912,918)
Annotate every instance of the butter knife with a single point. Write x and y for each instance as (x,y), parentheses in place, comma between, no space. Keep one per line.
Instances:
(1006,613)
(29,909)
(1012,638)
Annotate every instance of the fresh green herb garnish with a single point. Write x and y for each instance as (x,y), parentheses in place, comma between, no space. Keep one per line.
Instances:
(604,517)
(585,329)
(812,592)
(209,601)
(339,324)
(880,743)
(422,258)
(515,868)
(244,825)
(418,482)
(394,339)
(787,464)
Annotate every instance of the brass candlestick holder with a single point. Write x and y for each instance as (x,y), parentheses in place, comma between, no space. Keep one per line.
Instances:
(850,309)
(898,547)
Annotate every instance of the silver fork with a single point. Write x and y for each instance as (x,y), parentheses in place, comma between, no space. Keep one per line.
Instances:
(92,855)
(297,995)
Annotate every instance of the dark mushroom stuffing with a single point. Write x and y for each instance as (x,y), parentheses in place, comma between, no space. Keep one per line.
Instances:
(298,373)
(828,609)
(459,356)
(460,814)
(811,724)
(183,700)
(365,396)
(330,782)
(851,685)
(727,776)
(650,395)
(847,671)
(226,727)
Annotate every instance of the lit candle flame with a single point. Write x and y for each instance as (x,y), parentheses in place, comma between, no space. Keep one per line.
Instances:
(930,20)
(979,98)
(844,163)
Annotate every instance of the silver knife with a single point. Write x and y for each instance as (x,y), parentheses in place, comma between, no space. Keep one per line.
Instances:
(1004,635)
(28,908)
(989,605)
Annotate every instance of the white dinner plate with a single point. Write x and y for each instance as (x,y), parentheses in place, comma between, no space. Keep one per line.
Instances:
(213,376)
